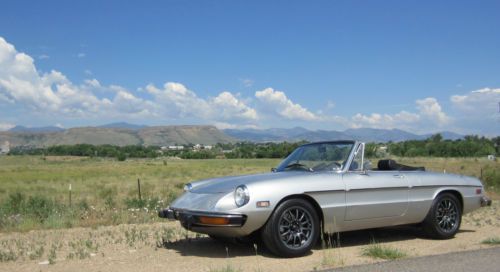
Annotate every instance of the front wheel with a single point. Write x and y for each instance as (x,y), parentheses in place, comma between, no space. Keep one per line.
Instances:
(444,217)
(292,229)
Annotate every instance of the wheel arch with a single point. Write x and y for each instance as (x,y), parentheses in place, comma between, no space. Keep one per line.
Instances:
(311,201)
(454,192)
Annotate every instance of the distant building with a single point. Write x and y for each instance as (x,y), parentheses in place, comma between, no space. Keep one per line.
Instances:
(208,147)
(172,147)
(197,147)
(175,147)
(5,148)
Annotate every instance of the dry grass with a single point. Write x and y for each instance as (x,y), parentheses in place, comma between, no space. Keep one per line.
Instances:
(104,191)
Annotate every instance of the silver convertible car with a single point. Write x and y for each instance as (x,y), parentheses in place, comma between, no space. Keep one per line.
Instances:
(326,187)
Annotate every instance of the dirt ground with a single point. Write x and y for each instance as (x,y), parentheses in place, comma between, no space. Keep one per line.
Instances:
(167,247)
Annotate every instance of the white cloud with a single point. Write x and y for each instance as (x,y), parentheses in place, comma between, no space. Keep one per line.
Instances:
(483,102)
(478,111)
(229,107)
(178,101)
(22,84)
(81,55)
(402,119)
(430,108)
(247,82)
(43,57)
(6,126)
(94,83)
(278,102)
(26,90)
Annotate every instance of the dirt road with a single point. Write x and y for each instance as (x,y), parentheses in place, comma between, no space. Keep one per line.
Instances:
(166,247)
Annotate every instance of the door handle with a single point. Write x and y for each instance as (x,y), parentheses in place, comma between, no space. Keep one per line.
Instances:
(399,176)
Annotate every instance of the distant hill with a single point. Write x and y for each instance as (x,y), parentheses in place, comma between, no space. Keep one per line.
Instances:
(361,134)
(161,136)
(123,125)
(122,134)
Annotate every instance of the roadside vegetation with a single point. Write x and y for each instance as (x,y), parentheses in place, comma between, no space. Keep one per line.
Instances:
(376,250)
(491,241)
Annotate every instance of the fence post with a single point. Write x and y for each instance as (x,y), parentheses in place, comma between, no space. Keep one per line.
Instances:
(481,175)
(139,188)
(70,195)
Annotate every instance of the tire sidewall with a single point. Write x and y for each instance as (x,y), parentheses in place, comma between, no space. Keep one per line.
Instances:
(271,231)
(439,233)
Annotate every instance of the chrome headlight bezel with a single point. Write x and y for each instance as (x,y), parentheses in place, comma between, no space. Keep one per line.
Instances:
(241,196)
(188,187)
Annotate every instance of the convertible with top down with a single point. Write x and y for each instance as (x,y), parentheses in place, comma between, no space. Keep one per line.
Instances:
(326,187)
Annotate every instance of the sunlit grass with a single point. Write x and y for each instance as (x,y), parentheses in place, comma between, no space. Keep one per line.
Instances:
(491,241)
(376,250)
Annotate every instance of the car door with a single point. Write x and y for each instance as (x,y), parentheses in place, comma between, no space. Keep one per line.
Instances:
(374,194)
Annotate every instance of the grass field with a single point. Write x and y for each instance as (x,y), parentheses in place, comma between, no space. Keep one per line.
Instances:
(34,190)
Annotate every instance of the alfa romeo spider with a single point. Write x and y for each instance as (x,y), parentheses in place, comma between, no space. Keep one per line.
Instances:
(326,187)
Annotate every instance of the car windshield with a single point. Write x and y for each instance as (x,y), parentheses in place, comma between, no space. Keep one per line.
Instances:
(330,156)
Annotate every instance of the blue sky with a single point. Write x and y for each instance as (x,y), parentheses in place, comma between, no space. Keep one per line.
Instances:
(422,66)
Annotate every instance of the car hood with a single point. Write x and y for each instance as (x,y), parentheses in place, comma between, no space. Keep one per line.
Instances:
(228,184)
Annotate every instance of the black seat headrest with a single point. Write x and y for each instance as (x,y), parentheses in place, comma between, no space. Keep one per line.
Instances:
(387,165)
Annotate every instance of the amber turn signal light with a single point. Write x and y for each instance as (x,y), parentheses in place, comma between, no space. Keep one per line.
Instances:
(214,220)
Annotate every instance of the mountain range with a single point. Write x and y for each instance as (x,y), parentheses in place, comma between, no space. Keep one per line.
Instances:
(361,134)
(116,135)
(130,134)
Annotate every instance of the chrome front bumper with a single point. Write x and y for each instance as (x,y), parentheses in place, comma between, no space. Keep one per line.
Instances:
(193,219)
(485,201)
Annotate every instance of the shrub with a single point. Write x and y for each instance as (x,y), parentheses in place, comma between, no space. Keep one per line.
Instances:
(491,179)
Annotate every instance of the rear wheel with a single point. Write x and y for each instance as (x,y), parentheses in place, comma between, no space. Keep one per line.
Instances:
(292,230)
(444,217)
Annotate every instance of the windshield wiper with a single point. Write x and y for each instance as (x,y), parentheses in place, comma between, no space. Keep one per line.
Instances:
(293,165)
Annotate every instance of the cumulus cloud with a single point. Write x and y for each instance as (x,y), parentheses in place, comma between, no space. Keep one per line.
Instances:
(24,88)
(52,92)
(483,102)
(402,119)
(278,103)
(230,107)
(430,108)
(180,102)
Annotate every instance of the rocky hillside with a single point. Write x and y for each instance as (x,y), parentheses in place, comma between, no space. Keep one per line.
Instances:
(160,136)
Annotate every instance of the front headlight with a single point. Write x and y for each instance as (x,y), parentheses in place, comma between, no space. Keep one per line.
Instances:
(188,187)
(241,195)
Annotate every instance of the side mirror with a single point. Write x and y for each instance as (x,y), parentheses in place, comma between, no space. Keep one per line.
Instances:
(273,169)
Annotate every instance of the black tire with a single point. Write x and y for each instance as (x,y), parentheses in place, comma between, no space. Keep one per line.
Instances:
(444,218)
(299,234)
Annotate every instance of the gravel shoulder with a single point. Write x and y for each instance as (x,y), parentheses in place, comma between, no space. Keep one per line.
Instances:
(167,247)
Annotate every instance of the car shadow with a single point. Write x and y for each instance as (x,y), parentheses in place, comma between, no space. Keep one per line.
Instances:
(378,235)
(365,237)
(208,247)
